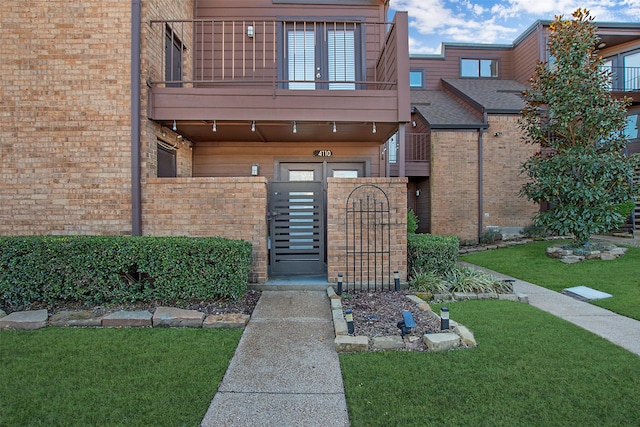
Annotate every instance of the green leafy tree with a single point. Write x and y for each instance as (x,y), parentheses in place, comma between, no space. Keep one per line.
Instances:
(581,171)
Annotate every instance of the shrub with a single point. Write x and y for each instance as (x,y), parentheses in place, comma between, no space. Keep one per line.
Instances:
(428,281)
(535,230)
(412,222)
(491,235)
(431,253)
(465,279)
(458,279)
(100,270)
(625,209)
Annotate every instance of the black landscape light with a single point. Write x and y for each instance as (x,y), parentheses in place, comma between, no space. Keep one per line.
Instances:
(396,280)
(339,291)
(348,315)
(444,318)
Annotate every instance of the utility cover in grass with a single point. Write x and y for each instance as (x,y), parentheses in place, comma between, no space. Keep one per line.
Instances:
(585,293)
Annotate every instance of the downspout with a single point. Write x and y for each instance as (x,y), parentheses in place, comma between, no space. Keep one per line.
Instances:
(136,187)
(480,178)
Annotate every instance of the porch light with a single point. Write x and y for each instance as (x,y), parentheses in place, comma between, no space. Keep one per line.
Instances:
(374,130)
(444,318)
(175,126)
(414,124)
(253,126)
(334,127)
(254,169)
(214,127)
(295,128)
(250,32)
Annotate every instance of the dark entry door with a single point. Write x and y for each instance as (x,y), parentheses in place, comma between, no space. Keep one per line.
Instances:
(297,227)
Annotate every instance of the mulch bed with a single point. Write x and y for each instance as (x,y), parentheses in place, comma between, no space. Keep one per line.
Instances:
(377,313)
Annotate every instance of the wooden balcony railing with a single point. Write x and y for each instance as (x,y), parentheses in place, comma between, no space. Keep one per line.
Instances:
(283,54)
(417,148)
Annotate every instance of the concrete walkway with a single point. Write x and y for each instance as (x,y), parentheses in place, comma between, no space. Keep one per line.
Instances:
(285,371)
(613,327)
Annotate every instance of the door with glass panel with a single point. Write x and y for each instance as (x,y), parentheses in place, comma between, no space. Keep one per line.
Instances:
(296,211)
(322,55)
(631,67)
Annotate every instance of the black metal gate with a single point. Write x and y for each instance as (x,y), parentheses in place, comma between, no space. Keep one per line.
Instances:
(368,255)
(296,211)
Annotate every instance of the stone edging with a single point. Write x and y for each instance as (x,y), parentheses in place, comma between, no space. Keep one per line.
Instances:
(569,256)
(461,335)
(162,317)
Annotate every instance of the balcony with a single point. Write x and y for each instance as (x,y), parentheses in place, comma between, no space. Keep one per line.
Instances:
(278,72)
(625,81)
(417,156)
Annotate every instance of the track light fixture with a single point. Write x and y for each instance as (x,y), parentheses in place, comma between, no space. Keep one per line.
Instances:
(295,128)
(334,127)
(214,127)
(175,126)
(374,130)
(253,126)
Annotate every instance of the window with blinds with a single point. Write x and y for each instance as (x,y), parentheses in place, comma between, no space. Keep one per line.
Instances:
(341,59)
(322,56)
(301,59)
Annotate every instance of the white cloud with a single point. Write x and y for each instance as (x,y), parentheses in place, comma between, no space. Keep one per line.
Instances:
(417,46)
(496,21)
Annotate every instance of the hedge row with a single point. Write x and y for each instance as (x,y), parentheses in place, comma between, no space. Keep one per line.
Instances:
(97,270)
(431,253)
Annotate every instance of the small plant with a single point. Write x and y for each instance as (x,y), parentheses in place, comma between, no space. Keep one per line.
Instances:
(429,282)
(491,235)
(412,222)
(535,230)
(465,279)
(458,279)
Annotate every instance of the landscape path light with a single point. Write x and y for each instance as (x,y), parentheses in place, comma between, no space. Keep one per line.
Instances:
(348,315)
(444,318)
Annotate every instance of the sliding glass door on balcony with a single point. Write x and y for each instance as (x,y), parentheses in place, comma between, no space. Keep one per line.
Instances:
(631,64)
(322,56)
(625,71)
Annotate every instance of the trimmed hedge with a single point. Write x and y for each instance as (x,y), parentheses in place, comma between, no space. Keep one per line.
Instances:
(96,270)
(431,253)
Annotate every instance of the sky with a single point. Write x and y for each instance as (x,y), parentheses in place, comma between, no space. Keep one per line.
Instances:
(432,22)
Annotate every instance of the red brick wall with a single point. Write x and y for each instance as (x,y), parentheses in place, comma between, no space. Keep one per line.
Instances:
(454,184)
(454,179)
(64,117)
(338,192)
(233,208)
(503,156)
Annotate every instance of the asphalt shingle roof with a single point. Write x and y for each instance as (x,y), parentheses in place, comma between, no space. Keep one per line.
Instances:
(441,110)
(491,94)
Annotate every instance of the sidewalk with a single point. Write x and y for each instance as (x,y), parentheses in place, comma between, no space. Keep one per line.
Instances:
(285,371)
(613,327)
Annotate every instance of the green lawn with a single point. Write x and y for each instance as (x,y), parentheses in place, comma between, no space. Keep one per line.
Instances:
(111,377)
(620,278)
(530,368)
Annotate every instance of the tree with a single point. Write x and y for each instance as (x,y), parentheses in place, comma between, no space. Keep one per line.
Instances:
(581,171)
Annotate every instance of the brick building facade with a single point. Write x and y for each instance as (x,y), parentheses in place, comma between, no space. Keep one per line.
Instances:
(85,135)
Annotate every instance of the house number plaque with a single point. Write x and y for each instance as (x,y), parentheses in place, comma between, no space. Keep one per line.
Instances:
(323,153)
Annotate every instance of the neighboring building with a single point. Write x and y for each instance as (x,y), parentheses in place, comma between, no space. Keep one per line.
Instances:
(463,150)
(263,120)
